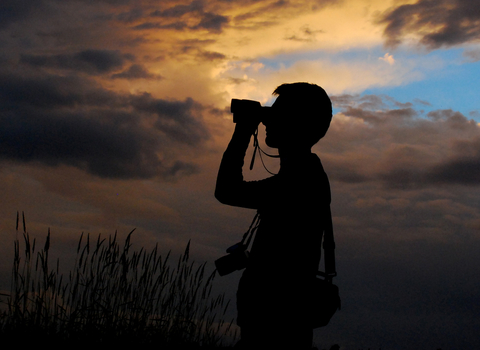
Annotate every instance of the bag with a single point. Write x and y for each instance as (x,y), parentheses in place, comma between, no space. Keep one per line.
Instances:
(326,301)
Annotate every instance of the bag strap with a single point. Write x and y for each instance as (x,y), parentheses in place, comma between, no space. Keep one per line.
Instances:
(328,248)
(246,236)
(253,227)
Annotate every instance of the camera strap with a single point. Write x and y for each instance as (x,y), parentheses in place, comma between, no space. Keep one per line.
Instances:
(256,146)
(328,248)
(247,236)
(251,230)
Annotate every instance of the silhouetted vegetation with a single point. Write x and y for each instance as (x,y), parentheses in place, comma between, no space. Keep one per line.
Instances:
(114,295)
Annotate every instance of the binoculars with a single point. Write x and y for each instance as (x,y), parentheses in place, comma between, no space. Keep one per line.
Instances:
(248,110)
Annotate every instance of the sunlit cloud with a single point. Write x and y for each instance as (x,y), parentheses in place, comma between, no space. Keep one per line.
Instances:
(336,77)
(388,59)
(336,26)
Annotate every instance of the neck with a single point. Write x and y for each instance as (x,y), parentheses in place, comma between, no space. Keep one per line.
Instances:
(293,155)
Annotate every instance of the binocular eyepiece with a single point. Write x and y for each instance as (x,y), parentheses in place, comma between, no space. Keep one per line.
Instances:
(248,109)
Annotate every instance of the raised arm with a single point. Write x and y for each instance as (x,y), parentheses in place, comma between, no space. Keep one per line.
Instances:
(231,189)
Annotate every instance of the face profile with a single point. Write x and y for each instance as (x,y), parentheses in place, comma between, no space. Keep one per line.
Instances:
(277,128)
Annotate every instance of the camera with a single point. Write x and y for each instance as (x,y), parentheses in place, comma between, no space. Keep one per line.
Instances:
(235,260)
(248,109)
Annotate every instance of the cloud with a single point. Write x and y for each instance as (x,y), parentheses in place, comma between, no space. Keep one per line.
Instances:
(462,167)
(393,144)
(335,75)
(70,120)
(212,22)
(472,55)
(180,10)
(436,23)
(136,71)
(388,58)
(180,120)
(192,16)
(154,25)
(130,15)
(89,61)
(50,91)
(305,34)
(211,55)
(195,47)
(215,16)
(15,10)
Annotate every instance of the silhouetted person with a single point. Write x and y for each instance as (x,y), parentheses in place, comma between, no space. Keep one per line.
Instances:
(274,292)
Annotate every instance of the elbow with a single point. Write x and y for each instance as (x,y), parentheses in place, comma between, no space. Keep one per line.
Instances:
(225,194)
(220,196)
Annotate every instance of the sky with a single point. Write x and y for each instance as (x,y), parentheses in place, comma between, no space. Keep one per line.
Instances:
(114,115)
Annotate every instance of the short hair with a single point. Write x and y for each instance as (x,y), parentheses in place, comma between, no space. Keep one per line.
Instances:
(313,103)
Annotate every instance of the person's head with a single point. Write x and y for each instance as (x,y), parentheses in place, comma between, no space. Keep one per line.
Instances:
(301,115)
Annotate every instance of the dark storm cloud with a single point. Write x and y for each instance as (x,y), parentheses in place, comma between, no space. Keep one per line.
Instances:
(68,120)
(50,91)
(194,15)
(461,168)
(211,55)
(103,149)
(153,25)
(180,10)
(177,16)
(15,10)
(87,61)
(178,119)
(130,15)
(439,22)
(393,144)
(212,22)
(136,71)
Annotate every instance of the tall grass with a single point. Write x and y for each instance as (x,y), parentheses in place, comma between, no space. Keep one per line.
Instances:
(112,295)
